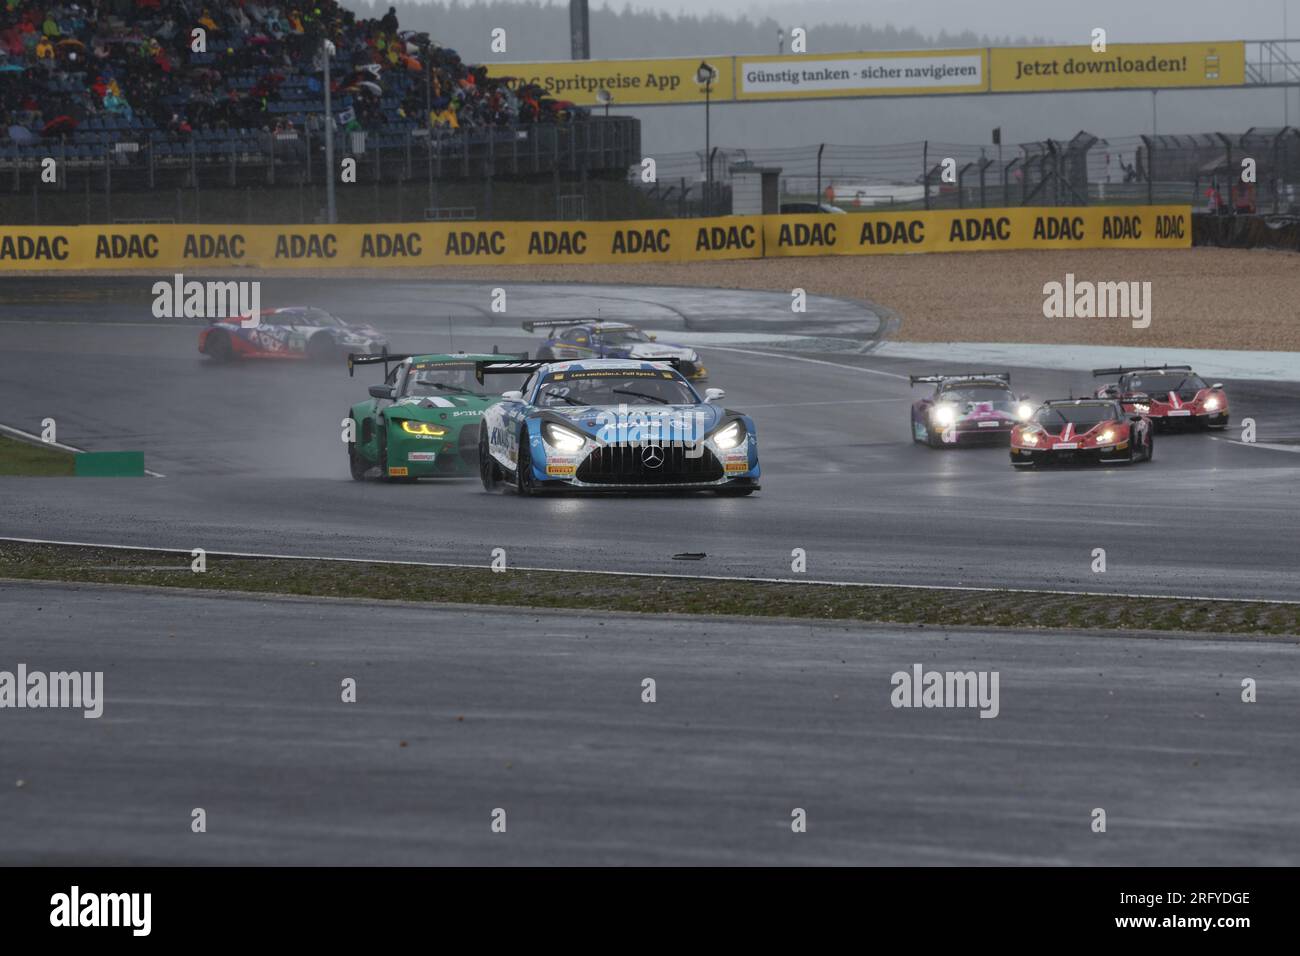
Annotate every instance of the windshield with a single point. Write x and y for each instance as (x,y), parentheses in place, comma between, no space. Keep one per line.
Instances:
(622,336)
(978,393)
(614,387)
(1160,383)
(428,379)
(1081,416)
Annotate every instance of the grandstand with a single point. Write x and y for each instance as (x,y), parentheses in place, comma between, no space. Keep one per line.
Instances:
(112,72)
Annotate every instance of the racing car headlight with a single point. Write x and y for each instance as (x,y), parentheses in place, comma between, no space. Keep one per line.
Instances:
(944,414)
(1211,404)
(729,437)
(1025,411)
(561,438)
(1029,438)
(1106,438)
(422,428)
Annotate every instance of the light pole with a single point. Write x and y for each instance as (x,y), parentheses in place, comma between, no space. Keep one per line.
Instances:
(705,75)
(780,41)
(331,214)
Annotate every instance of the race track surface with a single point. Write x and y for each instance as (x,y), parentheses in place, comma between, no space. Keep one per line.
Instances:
(254,462)
(232,705)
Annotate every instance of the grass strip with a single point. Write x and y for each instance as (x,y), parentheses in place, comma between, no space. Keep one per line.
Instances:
(28,460)
(600,592)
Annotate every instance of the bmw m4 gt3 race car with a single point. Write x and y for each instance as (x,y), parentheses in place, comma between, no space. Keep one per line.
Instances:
(423,421)
(975,406)
(1082,430)
(1170,395)
(614,425)
(581,339)
(294,332)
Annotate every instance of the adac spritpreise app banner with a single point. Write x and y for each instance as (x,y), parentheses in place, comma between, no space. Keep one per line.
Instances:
(1122,66)
(629,82)
(861,74)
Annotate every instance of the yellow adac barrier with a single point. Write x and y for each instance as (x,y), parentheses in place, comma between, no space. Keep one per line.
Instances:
(395,245)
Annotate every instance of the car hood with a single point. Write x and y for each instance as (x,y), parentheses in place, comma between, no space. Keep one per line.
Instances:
(441,407)
(634,423)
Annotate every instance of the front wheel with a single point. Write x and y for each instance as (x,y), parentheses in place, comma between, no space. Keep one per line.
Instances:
(524,467)
(488,471)
(356,464)
(320,349)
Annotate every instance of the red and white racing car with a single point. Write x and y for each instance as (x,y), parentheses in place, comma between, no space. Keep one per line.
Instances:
(293,332)
(1082,430)
(1170,395)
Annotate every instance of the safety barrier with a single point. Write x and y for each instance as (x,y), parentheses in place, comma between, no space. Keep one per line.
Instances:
(178,247)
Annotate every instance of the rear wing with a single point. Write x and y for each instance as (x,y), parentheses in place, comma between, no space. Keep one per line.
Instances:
(528,367)
(1141,368)
(355,359)
(387,358)
(962,377)
(532,325)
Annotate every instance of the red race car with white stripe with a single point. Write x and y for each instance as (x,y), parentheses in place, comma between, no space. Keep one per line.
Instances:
(1081,430)
(1170,395)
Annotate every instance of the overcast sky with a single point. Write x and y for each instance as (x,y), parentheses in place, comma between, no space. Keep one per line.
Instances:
(1064,20)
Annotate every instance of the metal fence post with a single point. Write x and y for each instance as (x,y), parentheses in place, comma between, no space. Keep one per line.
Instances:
(925,170)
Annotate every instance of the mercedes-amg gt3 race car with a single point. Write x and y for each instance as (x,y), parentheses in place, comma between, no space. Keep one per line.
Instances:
(583,338)
(614,425)
(1170,395)
(974,406)
(423,421)
(294,332)
(1082,430)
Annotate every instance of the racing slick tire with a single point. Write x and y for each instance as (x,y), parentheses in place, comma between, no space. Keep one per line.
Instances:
(219,347)
(489,472)
(524,485)
(545,355)
(321,349)
(915,422)
(357,465)
(932,439)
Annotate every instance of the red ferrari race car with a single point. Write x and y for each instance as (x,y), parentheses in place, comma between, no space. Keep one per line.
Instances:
(293,332)
(1082,430)
(1170,395)
(975,406)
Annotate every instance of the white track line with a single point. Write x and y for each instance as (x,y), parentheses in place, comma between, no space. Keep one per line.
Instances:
(654,574)
(38,440)
(1294,449)
(811,361)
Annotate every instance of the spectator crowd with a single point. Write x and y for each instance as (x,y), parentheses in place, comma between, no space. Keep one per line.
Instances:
(180,67)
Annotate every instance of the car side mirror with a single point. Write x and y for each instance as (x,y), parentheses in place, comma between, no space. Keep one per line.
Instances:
(713,394)
(1217,385)
(655,338)
(514,395)
(382,391)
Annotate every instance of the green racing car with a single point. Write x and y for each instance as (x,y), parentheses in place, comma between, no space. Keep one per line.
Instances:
(423,421)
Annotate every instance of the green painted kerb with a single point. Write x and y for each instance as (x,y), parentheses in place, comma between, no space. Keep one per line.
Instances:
(110,464)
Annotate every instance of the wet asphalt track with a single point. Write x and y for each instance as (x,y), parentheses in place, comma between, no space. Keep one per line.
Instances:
(254,461)
(232,703)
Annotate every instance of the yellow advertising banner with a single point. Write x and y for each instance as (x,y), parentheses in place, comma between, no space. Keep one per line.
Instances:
(902,73)
(170,248)
(629,82)
(979,230)
(1123,66)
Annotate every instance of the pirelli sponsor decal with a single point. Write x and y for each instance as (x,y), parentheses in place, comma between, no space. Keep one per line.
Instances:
(173,248)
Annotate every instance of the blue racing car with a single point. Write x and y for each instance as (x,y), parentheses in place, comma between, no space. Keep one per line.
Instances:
(586,338)
(613,425)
